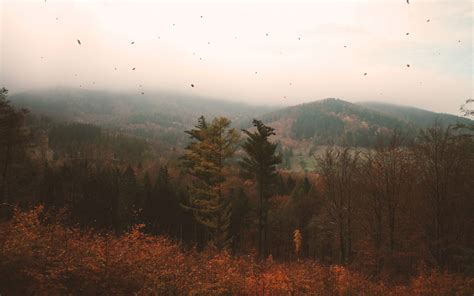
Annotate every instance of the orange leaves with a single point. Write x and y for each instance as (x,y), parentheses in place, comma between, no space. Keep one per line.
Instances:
(50,259)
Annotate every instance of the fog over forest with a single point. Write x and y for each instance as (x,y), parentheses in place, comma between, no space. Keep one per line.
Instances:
(277,53)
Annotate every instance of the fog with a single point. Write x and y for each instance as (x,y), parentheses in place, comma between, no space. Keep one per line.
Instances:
(259,52)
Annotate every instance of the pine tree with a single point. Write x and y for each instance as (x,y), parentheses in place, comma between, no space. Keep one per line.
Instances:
(13,141)
(204,159)
(260,165)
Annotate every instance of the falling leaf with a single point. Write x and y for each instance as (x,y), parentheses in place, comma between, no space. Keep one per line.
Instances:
(133,42)
(345,46)
(299,38)
(365,74)
(407,33)
(79,41)
(266,34)
(255,72)
(192,85)
(133,69)
(408,65)
(408,1)
(143,93)
(115,68)
(428,20)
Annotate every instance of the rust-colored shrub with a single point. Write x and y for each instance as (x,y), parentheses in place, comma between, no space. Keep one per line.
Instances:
(50,259)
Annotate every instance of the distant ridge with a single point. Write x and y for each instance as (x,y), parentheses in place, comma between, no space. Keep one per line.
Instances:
(337,121)
(420,117)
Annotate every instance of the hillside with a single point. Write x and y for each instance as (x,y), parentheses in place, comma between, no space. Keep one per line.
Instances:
(165,115)
(159,115)
(419,117)
(336,121)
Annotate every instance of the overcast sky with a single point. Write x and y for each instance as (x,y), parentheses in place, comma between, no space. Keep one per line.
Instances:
(271,52)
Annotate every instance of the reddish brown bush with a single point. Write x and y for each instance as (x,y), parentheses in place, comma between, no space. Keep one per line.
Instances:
(49,259)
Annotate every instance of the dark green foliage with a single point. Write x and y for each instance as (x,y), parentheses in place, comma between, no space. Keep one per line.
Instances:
(260,165)
(14,138)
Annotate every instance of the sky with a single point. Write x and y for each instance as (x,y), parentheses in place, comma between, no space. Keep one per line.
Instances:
(257,52)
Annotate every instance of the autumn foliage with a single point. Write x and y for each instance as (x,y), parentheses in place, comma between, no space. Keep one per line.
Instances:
(39,255)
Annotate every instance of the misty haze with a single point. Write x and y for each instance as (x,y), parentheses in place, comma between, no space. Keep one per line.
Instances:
(236,147)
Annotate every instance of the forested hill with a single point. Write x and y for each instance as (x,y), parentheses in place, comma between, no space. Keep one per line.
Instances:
(165,115)
(420,117)
(334,121)
(159,114)
(164,107)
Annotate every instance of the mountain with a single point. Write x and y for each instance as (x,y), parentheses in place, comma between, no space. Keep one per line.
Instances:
(165,115)
(335,121)
(419,117)
(159,114)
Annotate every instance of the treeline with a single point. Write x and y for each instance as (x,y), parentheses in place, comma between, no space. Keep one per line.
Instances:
(389,212)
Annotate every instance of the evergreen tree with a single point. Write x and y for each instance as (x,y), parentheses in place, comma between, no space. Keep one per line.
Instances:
(204,159)
(260,165)
(14,136)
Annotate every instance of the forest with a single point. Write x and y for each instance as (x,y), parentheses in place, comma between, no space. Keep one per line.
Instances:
(90,209)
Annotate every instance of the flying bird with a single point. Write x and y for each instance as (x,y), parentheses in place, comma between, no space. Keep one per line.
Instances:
(143,93)
(133,42)
(407,33)
(192,85)
(79,41)
(408,1)
(408,65)
(428,20)
(365,74)
(133,69)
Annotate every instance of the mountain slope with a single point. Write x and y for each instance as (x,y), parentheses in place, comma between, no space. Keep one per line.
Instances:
(336,121)
(162,115)
(419,117)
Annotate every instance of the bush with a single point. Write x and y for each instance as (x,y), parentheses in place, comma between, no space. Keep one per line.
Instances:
(50,259)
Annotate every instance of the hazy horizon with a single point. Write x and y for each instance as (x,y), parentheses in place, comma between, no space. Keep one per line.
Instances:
(264,53)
